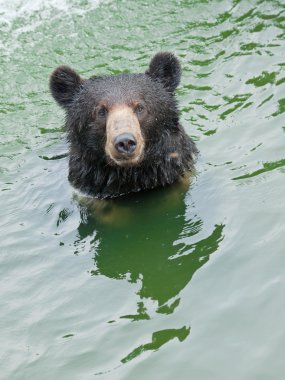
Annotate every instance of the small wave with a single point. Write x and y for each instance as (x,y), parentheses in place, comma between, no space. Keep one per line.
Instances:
(18,17)
(9,11)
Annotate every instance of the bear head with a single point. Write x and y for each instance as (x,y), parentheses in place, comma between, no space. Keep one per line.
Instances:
(118,125)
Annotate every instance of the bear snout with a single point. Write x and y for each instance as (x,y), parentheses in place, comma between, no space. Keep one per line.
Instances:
(125,143)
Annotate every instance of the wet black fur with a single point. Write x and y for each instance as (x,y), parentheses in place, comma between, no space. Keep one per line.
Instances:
(90,170)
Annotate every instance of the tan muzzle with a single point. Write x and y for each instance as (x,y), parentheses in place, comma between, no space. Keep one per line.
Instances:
(124,143)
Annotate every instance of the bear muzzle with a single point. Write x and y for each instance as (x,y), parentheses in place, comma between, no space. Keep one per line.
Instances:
(124,142)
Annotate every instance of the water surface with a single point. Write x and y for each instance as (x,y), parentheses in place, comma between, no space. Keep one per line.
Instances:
(185,282)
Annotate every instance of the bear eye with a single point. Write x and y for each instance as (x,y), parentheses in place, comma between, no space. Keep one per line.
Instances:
(102,111)
(139,108)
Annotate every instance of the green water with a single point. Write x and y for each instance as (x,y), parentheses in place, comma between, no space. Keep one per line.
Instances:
(181,283)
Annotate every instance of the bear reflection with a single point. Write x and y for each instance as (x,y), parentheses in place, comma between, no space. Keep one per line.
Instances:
(147,237)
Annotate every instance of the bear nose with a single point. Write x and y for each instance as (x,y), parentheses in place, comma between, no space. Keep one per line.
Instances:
(125,143)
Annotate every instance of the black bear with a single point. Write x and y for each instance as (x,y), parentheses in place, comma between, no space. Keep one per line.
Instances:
(124,130)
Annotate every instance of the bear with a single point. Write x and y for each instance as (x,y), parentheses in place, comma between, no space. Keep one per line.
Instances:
(123,130)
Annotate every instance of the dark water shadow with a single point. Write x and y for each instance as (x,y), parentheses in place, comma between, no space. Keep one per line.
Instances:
(267,167)
(159,338)
(148,239)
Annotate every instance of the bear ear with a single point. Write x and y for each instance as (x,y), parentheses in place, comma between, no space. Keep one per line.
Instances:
(64,84)
(165,68)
